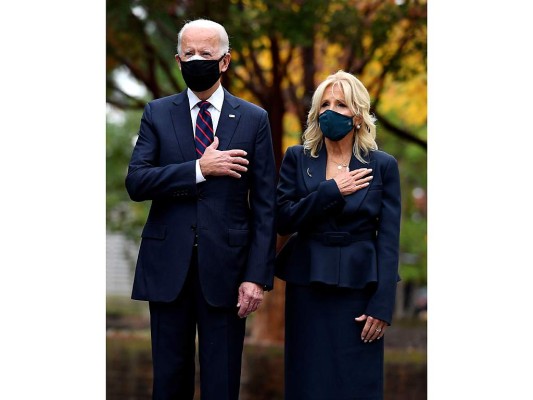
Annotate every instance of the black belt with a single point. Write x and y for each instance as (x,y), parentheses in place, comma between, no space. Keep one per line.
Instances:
(341,238)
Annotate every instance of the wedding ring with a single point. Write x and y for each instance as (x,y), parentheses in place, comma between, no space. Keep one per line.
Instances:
(378,330)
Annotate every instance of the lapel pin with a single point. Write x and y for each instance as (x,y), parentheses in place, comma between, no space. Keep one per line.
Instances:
(232,115)
(309,173)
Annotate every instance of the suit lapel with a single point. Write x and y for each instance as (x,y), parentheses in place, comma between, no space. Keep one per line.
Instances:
(314,172)
(314,169)
(357,198)
(228,121)
(181,121)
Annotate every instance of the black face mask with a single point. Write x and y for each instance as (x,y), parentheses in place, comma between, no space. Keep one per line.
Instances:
(200,75)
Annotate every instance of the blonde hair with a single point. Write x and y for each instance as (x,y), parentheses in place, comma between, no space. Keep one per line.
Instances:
(358,102)
(206,23)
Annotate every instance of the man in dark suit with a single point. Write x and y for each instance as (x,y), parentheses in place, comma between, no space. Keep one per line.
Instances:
(205,160)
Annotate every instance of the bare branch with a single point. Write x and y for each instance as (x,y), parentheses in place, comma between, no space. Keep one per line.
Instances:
(399,132)
(168,72)
(256,91)
(134,101)
(121,105)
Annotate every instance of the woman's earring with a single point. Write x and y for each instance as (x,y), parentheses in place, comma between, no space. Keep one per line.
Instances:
(358,127)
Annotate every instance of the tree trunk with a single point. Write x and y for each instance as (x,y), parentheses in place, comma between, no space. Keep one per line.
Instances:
(268,326)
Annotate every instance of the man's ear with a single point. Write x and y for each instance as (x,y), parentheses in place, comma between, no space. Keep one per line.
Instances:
(225,62)
(177,57)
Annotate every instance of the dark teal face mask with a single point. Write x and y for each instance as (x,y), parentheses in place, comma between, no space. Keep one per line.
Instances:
(335,126)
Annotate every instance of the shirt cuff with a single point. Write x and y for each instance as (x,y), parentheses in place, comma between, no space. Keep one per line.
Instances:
(199,176)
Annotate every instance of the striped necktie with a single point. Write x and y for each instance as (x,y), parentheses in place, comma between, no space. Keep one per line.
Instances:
(204,128)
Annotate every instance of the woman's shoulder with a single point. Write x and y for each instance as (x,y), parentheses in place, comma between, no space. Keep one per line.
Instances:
(381,156)
(296,150)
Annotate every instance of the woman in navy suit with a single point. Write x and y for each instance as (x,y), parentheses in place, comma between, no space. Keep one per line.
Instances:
(339,197)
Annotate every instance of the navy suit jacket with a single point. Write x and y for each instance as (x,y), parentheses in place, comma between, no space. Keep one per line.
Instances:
(310,206)
(233,218)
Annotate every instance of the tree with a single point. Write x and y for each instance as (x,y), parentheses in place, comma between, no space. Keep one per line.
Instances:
(280,50)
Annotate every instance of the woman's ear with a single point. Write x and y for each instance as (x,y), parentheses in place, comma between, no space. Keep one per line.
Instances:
(358,120)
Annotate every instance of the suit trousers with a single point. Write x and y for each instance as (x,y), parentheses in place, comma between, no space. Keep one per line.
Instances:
(220,345)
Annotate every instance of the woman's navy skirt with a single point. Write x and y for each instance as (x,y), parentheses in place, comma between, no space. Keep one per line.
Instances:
(325,358)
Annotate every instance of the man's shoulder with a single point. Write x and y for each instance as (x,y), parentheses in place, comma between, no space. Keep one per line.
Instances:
(247,105)
(168,100)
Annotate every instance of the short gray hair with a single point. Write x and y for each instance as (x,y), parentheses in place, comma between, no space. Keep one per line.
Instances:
(206,23)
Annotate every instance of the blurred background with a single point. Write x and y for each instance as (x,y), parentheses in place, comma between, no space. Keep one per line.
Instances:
(280,51)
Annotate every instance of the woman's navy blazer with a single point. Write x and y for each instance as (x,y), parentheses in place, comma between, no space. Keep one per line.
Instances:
(350,241)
